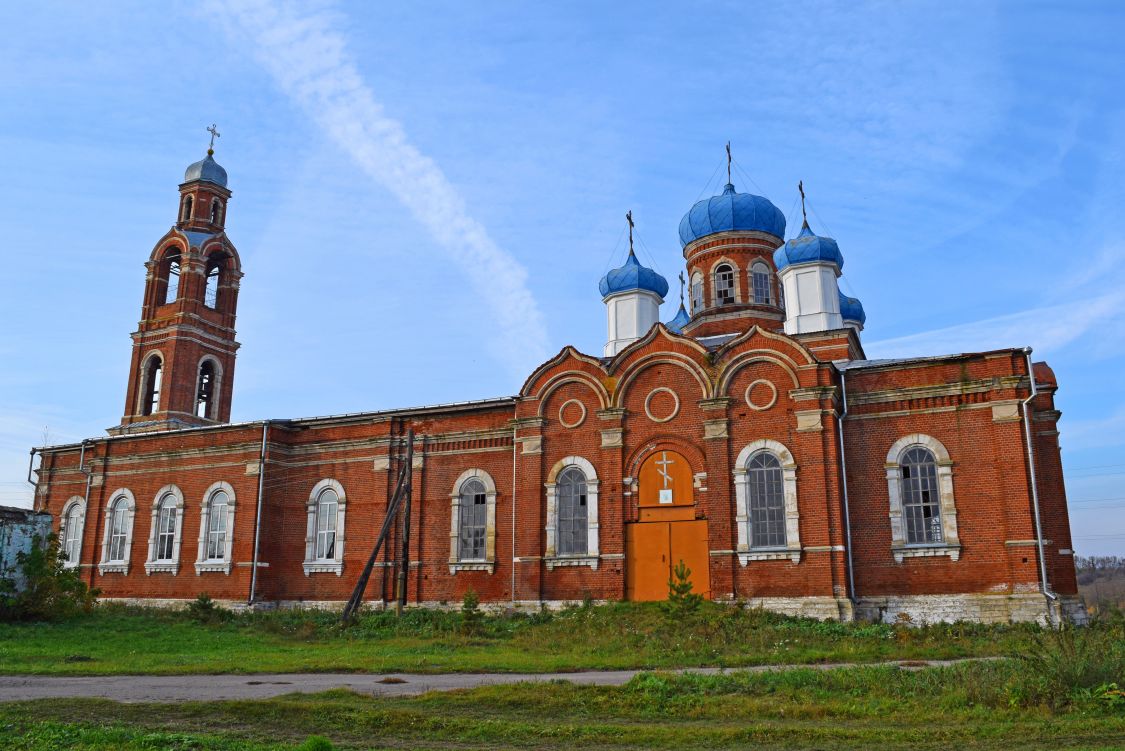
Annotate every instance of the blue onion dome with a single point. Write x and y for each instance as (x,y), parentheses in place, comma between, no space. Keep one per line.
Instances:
(208,170)
(633,276)
(808,248)
(851,309)
(676,325)
(730,211)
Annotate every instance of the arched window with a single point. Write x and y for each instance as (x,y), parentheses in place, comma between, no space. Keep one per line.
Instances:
(696,293)
(921,507)
(324,536)
(165,529)
(761,276)
(172,289)
(724,284)
(153,373)
(923,514)
(216,523)
(73,521)
(573,519)
(766,501)
(216,549)
(216,208)
(327,506)
(117,541)
(473,522)
(187,209)
(211,287)
(205,391)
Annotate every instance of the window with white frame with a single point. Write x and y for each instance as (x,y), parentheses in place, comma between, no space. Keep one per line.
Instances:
(151,376)
(760,274)
(923,514)
(572,514)
(724,284)
(164,533)
(117,541)
(767,515)
(473,523)
(696,293)
(766,501)
(216,526)
(70,535)
(324,539)
(172,288)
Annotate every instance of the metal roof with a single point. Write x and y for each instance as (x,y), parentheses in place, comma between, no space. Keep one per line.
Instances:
(731,211)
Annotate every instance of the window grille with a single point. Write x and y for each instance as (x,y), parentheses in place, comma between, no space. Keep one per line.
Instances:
(473,521)
(217,526)
(724,285)
(119,531)
(573,519)
(166,529)
(172,291)
(327,506)
(761,276)
(767,501)
(921,502)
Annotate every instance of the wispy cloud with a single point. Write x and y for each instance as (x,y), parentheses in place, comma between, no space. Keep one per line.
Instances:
(308,59)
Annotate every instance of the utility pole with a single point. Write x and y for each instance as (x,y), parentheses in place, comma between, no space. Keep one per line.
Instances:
(407,492)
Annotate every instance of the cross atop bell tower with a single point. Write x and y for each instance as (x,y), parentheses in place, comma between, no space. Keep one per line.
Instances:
(182,369)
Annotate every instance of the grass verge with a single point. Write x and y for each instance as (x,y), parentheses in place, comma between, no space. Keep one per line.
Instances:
(117,640)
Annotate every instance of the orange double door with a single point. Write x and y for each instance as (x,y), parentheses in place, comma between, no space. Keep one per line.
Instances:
(653,549)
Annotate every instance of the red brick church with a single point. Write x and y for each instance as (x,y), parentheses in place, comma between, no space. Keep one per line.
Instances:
(750,438)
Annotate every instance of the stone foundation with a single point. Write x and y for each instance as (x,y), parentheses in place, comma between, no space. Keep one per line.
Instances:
(983,608)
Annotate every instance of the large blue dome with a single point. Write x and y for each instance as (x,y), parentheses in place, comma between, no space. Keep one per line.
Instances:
(851,309)
(208,170)
(731,211)
(808,248)
(633,276)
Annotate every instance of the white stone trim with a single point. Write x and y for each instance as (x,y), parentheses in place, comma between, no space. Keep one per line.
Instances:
(951,545)
(334,565)
(169,566)
(662,390)
(72,502)
(579,421)
(488,563)
(772,400)
(792,549)
(216,565)
(550,556)
(107,566)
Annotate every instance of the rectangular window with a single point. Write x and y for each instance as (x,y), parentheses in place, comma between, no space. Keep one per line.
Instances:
(474,510)
(921,504)
(761,288)
(117,536)
(572,518)
(166,533)
(326,531)
(217,532)
(767,509)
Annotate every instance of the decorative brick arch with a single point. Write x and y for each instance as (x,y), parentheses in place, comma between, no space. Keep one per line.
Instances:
(661,358)
(951,543)
(792,549)
(488,563)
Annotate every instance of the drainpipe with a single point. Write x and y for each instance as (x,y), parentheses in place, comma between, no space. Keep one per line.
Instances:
(30,469)
(258,512)
(514,444)
(844,486)
(1045,587)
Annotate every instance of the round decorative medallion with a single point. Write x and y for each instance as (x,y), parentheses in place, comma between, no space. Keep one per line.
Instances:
(572,407)
(662,404)
(761,394)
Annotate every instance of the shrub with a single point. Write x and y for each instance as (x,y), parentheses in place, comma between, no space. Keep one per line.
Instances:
(471,616)
(682,602)
(316,743)
(205,610)
(50,590)
(1068,665)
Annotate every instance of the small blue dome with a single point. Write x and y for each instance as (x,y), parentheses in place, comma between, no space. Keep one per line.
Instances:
(808,248)
(851,309)
(676,325)
(208,170)
(731,211)
(633,276)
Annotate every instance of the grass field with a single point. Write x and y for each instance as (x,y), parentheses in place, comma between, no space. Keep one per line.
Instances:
(114,640)
(968,706)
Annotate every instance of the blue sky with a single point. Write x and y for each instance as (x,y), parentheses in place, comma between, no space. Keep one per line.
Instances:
(426,195)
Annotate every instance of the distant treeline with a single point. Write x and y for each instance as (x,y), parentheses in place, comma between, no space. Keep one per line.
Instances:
(1101,579)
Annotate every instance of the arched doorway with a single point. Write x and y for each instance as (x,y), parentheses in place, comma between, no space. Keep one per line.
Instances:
(666,530)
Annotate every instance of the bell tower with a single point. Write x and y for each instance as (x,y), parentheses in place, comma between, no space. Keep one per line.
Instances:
(182,369)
